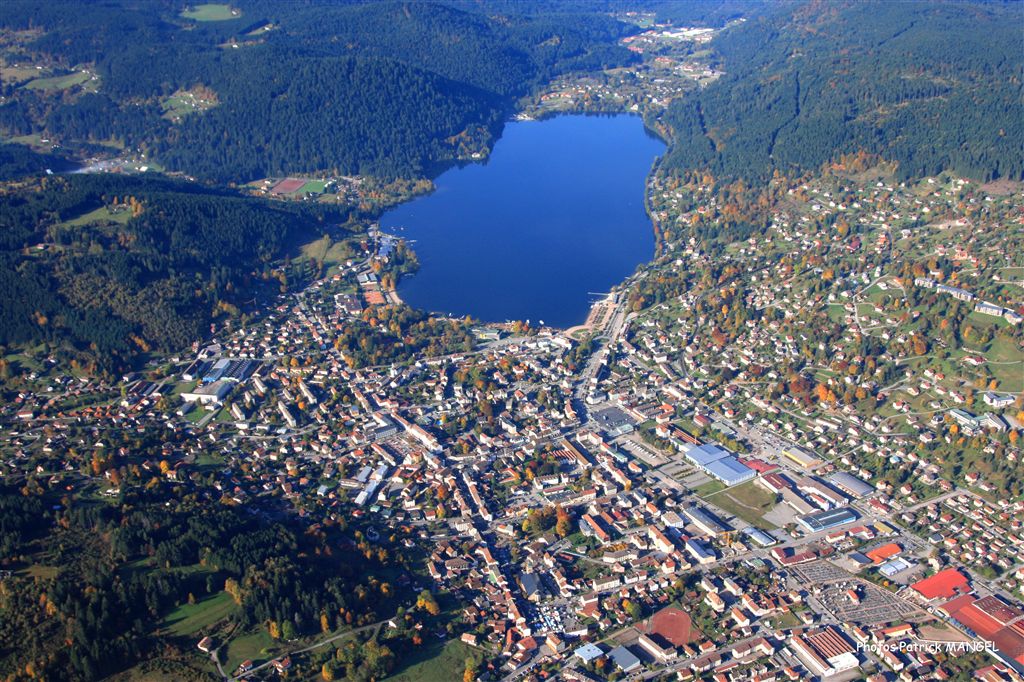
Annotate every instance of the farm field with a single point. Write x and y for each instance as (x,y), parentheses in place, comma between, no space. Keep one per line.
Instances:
(16,75)
(35,141)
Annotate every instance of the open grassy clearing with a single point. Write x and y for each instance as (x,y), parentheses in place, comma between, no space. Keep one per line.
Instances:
(711,487)
(59,82)
(211,12)
(327,251)
(1010,376)
(40,572)
(102,214)
(438,662)
(747,501)
(177,106)
(35,141)
(257,647)
(261,30)
(16,75)
(188,619)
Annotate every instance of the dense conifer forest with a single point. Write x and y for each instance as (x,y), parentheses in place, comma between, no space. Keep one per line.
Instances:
(384,88)
(126,567)
(150,276)
(399,89)
(932,86)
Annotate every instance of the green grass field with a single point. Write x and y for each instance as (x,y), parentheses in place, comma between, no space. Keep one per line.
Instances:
(196,413)
(438,662)
(256,647)
(211,12)
(16,75)
(34,140)
(327,251)
(177,106)
(1006,363)
(711,487)
(100,215)
(266,28)
(58,82)
(1009,376)
(314,186)
(188,619)
(748,501)
(41,572)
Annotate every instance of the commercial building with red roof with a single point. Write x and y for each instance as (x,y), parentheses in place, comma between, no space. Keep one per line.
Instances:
(945,584)
(758,465)
(880,554)
(991,619)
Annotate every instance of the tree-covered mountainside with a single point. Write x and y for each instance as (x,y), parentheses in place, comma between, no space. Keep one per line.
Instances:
(932,86)
(112,266)
(385,88)
(109,576)
(18,161)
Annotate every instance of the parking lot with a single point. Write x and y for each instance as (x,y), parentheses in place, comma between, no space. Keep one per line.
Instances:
(829,585)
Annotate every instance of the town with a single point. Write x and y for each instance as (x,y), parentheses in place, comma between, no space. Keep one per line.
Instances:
(669,494)
(770,454)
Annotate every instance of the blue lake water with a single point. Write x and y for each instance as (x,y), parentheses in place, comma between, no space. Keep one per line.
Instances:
(556,212)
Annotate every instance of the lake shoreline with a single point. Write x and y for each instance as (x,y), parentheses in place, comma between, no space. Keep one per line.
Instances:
(583,175)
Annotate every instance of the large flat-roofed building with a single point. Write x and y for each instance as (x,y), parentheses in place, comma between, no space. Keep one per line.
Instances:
(588,652)
(702,455)
(699,551)
(625,659)
(614,421)
(759,536)
(819,493)
(719,463)
(850,484)
(210,394)
(705,521)
(801,457)
(945,584)
(662,651)
(826,653)
(729,471)
(824,520)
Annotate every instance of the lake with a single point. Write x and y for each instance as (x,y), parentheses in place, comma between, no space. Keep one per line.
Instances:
(554,215)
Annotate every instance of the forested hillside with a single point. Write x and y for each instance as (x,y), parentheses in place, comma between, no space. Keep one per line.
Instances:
(110,575)
(384,88)
(112,266)
(929,85)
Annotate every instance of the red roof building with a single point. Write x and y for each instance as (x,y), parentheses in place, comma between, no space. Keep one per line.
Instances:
(988,617)
(758,465)
(943,585)
(883,553)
